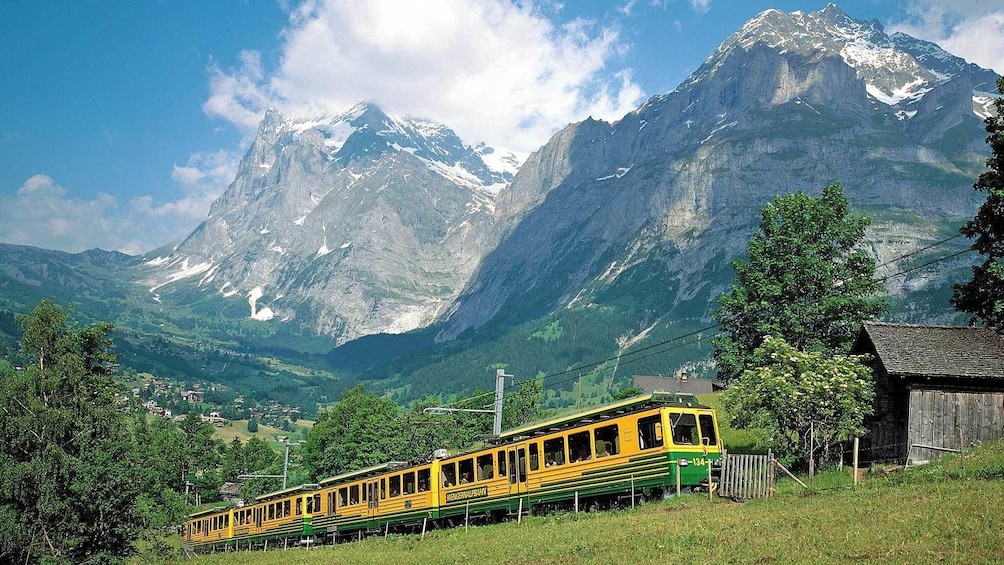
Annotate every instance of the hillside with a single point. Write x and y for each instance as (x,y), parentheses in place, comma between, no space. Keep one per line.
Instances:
(928,514)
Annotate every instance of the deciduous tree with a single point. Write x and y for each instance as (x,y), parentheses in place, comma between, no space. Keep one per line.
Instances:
(983,295)
(69,483)
(362,430)
(789,393)
(807,279)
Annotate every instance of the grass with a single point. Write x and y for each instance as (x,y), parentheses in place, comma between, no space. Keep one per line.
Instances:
(927,514)
(239,429)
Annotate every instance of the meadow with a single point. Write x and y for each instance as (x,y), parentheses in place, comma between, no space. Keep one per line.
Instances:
(934,513)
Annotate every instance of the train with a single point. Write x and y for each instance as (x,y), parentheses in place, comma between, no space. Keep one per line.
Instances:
(622,453)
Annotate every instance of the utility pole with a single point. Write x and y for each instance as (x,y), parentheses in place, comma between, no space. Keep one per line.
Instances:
(499,388)
(499,402)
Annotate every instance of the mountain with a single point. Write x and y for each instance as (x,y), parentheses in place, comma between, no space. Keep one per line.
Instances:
(645,212)
(350,225)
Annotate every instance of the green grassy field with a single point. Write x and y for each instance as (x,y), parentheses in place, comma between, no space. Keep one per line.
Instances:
(925,515)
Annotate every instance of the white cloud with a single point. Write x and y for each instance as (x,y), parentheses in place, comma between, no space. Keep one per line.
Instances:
(492,70)
(700,6)
(971,30)
(41,214)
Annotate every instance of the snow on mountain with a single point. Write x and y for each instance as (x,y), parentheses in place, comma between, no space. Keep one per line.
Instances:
(898,70)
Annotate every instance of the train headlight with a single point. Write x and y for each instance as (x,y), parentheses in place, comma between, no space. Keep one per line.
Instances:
(682,462)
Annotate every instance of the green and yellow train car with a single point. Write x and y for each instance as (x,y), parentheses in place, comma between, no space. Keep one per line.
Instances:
(631,450)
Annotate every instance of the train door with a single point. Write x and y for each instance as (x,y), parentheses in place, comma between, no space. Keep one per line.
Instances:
(373,502)
(517,478)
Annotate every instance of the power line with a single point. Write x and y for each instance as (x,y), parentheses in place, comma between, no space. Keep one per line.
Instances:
(621,358)
(922,265)
(916,251)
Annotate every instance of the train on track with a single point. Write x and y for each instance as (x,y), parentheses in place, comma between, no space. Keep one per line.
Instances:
(639,448)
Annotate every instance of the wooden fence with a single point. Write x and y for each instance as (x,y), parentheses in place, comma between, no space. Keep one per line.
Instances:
(747,476)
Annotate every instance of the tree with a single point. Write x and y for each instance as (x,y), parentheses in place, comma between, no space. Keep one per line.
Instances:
(362,430)
(69,479)
(523,406)
(807,279)
(800,398)
(253,426)
(983,295)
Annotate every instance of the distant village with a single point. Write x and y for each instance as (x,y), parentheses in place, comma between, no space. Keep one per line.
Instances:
(172,401)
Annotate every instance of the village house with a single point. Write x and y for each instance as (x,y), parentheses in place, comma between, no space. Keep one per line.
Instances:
(936,388)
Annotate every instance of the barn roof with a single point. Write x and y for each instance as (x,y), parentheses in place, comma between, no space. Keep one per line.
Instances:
(934,351)
(674,384)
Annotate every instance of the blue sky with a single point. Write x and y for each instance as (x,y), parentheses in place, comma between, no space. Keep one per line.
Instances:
(121,121)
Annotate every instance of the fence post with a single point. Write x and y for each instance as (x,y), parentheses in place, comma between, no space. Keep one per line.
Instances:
(855,470)
(962,454)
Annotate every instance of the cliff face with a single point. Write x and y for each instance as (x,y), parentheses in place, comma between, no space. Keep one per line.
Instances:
(655,204)
(357,224)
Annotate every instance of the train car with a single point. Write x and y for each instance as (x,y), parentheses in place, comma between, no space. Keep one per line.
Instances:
(634,449)
(278,516)
(373,498)
(628,451)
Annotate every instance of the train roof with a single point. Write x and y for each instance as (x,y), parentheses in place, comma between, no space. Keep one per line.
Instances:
(603,412)
(288,491)
(376,469)
(206,512)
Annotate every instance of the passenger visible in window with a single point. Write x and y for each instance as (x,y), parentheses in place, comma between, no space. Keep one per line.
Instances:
(464,479)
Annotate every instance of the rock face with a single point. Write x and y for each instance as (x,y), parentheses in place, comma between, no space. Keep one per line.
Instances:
(653,206)
(356,224)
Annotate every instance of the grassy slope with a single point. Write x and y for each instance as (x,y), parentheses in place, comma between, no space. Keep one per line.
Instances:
(926,515)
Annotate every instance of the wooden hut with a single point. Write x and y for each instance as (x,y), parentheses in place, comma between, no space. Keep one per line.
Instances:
(935,386)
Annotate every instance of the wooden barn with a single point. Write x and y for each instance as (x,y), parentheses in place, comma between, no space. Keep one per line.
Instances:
(935,386)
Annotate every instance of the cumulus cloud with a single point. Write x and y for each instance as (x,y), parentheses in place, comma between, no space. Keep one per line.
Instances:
(41,214)
(971,30)
(493,70)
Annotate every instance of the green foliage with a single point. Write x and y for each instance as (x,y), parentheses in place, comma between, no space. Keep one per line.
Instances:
(253,426)
(552,332)
(249,458)
(790,393)
(983,295)
(523,406)
(628,392)
(69,483)
(808,279)
(362,430)
(200,455)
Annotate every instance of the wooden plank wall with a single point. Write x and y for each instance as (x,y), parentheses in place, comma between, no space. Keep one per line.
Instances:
(936,417)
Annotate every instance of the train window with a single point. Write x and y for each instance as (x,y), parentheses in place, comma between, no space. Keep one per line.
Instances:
(299,506)
(226,520)
(466,471)
(501,460)
(271,512)
(485,469)
(423,479)
(650,432)
(580,447)
(449,475)
(409,482)
(522,465)
(317,502)
(395,486)
(285,508)
(310,505)
(534,456)
(343,496)
(684,428)
(708,429)
(383,489)
(554,452)
(364,493)
(353,495)
(608,442)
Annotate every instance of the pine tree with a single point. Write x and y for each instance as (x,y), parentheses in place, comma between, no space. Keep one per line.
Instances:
(983,295)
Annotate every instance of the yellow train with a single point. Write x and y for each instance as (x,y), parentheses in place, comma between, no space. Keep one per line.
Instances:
(638,448)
